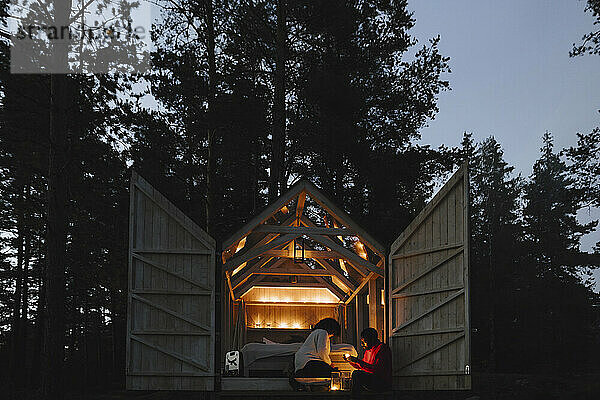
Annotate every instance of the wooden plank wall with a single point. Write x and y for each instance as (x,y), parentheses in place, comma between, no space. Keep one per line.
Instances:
(429,328)
(171,297)
(285,316)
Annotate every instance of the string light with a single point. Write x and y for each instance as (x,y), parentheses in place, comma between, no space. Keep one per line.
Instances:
(281,325)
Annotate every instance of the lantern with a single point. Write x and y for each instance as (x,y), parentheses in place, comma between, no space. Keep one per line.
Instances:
(336,381)
(299,250)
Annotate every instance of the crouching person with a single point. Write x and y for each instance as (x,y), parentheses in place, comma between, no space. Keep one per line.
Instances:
(374,371)
(312,359)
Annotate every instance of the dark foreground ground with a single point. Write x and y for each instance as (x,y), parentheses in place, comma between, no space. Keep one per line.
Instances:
(488,386)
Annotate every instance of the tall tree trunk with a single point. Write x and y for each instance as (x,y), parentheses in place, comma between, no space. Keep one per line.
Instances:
(22,350)
(38,341)
(276,180)
(492,299)
(16,337)
(212,84)
(56,243)
(53,386)
(255,163)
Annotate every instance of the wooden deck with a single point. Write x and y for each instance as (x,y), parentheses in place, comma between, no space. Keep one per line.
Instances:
(276,388)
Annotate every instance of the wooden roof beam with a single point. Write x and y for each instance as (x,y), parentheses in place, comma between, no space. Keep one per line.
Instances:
(267,213)
(344,218)
(352,257)
(300,205)
(341,294)
(257,251)
(305,230)
(338,274)
(293,271)
(363,283)
(249,284)
(314,254)
(360,287)
(227,254)
(358,267)
(249,271)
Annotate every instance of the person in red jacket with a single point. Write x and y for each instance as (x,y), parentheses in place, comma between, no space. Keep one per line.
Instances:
(374,371)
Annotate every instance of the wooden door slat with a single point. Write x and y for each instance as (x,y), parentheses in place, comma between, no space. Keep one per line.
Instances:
(173,354)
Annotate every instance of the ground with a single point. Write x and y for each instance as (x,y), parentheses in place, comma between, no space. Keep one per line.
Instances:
(488,386)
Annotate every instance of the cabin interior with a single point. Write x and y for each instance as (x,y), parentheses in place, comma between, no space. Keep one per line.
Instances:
(299,261)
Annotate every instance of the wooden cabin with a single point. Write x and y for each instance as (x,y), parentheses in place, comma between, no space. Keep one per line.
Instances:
(298,261)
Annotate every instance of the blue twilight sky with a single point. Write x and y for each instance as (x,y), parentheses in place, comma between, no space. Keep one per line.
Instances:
(512,76)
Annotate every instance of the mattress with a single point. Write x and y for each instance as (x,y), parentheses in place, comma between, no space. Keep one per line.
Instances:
(256,351)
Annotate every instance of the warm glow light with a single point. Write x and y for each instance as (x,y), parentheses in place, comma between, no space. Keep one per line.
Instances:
(241,244)
(343,266)
(285,210)
(283,325)
(360,249)
(296,325)
(238,269)
(257,325)
(334,388)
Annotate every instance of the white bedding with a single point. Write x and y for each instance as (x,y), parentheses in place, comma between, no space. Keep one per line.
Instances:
(255,351)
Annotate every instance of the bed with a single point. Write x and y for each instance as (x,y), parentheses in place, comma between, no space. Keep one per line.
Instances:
(274,359)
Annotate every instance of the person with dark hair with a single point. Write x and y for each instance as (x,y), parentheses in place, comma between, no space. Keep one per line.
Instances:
(374,371)
(312,359)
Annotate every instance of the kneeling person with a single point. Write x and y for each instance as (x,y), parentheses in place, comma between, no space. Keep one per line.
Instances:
(312,359)
(374,371)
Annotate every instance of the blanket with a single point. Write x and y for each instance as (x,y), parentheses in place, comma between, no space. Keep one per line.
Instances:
(255,351)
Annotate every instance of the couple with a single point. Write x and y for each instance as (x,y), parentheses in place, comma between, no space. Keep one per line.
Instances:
(373,372)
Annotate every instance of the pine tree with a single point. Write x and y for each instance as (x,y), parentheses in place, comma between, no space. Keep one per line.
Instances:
(560,307)
(493,212)
(553,200)
(590,42)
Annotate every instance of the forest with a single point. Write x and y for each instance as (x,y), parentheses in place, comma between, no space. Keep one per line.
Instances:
(247,97)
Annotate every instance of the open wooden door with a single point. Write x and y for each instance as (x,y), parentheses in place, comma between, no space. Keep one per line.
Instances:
(171,296)
(428,294)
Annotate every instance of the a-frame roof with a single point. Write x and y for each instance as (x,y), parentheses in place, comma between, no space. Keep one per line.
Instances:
(264,245)
(317,195)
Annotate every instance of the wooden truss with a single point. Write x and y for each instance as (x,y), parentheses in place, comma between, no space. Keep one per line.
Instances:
(265,246)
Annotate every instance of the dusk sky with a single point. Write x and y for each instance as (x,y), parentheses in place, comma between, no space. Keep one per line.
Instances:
(512,76)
